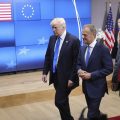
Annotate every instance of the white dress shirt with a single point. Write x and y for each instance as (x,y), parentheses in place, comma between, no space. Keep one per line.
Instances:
(62,37)
(92,45)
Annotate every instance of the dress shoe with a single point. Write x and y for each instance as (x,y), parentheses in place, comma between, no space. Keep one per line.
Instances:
(82,119)
(71,118)
(103,116)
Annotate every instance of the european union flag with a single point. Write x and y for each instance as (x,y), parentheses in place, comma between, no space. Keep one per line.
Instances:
(27,11)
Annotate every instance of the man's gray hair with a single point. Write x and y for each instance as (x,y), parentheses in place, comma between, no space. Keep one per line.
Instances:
(61,21)
(92,28)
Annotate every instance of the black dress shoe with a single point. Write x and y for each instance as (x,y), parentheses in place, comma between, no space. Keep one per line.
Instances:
(82,119)
(72,118)
(103,116)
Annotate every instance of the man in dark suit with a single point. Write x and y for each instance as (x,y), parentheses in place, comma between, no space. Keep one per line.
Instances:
(94,64)
(63,73)
(116,73)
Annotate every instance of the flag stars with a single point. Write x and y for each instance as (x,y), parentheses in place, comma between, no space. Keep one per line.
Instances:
(11,64)
(42,41)
(28,11)
(23,51)
(24,6)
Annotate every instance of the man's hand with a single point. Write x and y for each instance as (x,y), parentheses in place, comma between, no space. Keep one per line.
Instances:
(81,72)
(44,78)
(70,83)
(86,76)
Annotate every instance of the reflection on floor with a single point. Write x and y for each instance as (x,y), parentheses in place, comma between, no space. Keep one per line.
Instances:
(23,96)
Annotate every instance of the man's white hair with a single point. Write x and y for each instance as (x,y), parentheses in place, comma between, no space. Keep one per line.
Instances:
(61,21)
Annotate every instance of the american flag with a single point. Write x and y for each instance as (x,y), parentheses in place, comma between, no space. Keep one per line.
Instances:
(5,12)
(109,30)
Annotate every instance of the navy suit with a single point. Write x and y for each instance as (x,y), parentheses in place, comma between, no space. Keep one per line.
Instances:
(99,65)
(66,70)
(115,79)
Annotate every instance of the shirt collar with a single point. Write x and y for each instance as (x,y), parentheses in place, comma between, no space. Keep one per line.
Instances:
(63,35)
(92,45)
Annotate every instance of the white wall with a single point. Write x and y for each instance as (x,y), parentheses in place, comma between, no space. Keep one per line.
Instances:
(98,11)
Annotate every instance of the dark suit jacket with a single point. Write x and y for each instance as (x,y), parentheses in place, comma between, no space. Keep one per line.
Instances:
(116,68)
(66,67)
(99,65)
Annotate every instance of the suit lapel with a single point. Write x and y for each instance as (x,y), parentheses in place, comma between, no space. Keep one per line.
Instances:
(84,50)
(53,45)
(65,43)
(94,52)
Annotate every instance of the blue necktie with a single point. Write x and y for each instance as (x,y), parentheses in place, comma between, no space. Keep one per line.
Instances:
(87,55)
(56,50)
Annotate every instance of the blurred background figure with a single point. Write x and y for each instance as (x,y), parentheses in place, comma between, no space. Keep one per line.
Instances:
(116,73)
(100,36)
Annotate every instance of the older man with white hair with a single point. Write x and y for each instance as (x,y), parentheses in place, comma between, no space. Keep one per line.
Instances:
(60,61)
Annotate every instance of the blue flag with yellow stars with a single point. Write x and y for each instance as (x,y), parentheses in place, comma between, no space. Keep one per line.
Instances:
(27,11)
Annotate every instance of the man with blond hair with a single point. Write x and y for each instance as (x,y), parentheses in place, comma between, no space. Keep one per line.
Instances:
(60,61)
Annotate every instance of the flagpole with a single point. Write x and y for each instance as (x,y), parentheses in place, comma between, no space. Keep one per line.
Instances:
(118,5)
(105,17)
(109,1)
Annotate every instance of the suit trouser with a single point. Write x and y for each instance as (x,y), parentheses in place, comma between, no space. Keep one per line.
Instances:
(93,107)
(62,100)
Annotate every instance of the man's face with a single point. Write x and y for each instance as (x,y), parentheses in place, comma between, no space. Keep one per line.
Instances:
(87,36)
(58,29)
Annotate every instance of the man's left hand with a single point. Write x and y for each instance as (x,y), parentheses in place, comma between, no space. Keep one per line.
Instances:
(86,76)
(70,83)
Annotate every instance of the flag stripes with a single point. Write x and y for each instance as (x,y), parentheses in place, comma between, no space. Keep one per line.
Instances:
(5,12)
(109,30)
